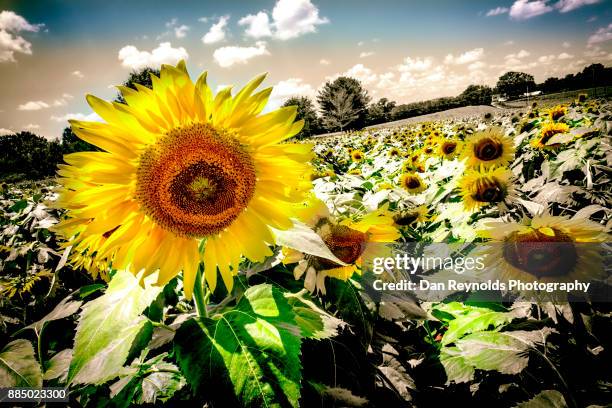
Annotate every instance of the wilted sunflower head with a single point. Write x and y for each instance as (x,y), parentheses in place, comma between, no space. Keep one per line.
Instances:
(546,133)
(480,187)
(412,182)
(557,112)
(411,216)
(178,169)
(490,147)
(357,156)
(549,248)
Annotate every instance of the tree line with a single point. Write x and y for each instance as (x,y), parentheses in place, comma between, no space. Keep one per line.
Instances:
(343,104)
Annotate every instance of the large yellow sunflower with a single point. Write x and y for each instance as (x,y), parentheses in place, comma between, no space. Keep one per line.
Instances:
(413,183)
(183,177)
(546,133)
(484,186)
(490,147)
(349,239)
(547,248)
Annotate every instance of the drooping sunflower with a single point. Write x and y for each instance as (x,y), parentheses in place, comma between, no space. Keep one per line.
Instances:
(350,239)
(490,147)
(357,156)
(547,131)
(412,216)
(181,169)
(547,248)
(412,182)
(480,187)
(557,112)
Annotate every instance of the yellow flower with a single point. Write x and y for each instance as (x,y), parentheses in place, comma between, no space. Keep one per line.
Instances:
(547,248)
(449,148)
(488,148)
(411,216)
(555,113)
(547,132)
(412,183)
(394,152)
(357,156)
(485,186)
(350,240)
(179,170)
(355,172)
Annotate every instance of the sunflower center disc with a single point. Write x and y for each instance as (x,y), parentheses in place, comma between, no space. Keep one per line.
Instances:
(412,183)
(344,242)
(449,147)
(488,149)
(488,191)
(540,254)
(195,181)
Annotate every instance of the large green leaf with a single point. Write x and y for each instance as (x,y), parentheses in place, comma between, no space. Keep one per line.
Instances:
(57,367)
(545,399)
(249,355)
(107,328)
(18,366)
(506,352)
(470,319)
(63,309)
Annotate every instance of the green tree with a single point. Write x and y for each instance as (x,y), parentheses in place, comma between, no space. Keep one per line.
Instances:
(26,155)
(141,77)
(306,111)
(515,83)
(476,95)
(343,104)
(380,112)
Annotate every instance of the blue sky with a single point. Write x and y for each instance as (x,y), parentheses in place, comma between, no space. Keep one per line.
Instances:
(54,52)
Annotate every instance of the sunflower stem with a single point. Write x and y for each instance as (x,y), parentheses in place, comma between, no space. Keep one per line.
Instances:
(198,294)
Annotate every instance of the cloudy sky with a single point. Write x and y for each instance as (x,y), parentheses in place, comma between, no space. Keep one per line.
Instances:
(52,53)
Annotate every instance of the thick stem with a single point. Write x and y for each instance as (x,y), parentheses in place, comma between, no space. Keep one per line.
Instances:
(198,294)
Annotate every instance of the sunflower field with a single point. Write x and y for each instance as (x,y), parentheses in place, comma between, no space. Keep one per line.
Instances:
(201,257)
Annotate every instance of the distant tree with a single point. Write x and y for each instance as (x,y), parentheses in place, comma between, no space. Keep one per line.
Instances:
(26,155)
(71,143)
(380,112)
(515,83)
(141,77)
(476,95)
(343,104)
(306,111)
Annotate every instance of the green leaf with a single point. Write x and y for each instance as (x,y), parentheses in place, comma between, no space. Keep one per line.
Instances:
(90,289)
(314,322)
(251,352)
(107,328)
(470,319)
(545,399)
(304,239)
(57,367)
(65,308)
(505,352)
(18,366)
(147,382)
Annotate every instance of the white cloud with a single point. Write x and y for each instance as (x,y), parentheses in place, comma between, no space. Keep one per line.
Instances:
(10,42)
(465,58)
(92,117)
(78,74)
(203,19)
(476,65)
(366,54)
(603,34)
(518,55)
(566,44)
(415,64)
(228,56)
(564,56)
(6,132)
(181,31)
(323,61)
(362,73)
(132,57)
(497,11)
(32,126)
(509,42)
(547,59)
(568,5)
(290,19)
(258,25)
(288,88)
(360,43)
(33,106)
(217,31)
(525,9)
